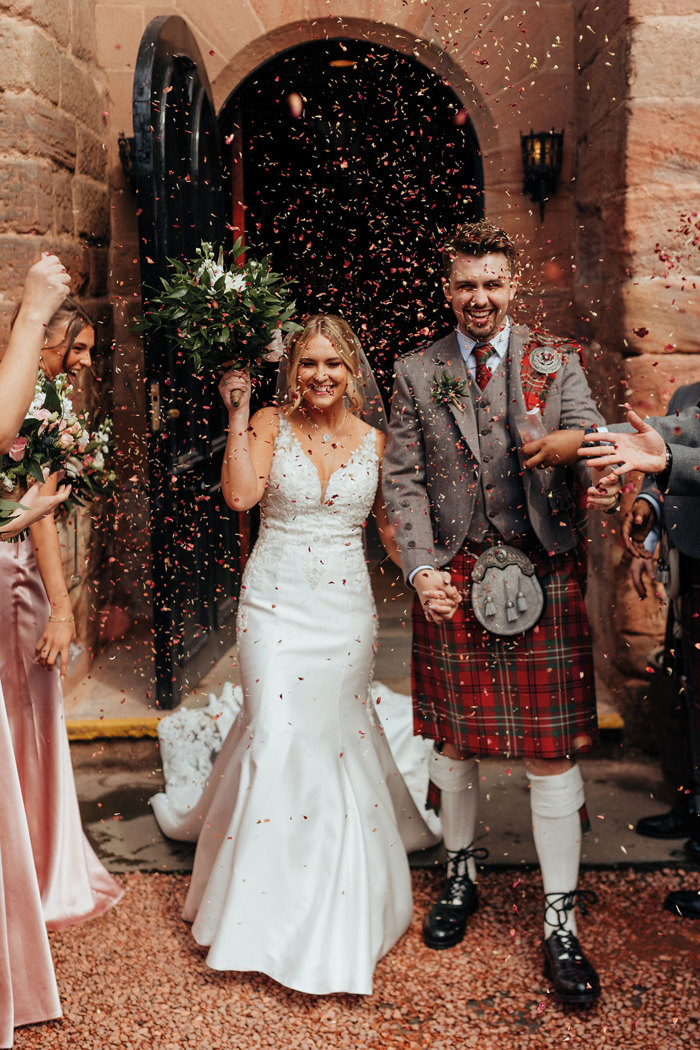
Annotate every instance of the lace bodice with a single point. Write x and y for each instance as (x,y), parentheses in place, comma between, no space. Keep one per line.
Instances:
(298,519)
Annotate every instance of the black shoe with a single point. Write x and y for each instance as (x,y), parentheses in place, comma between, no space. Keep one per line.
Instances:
(692,848)
(445,923)
(685,903)
(678,822)
(574,979)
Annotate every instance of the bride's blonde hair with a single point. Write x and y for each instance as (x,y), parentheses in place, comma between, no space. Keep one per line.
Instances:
(346,345)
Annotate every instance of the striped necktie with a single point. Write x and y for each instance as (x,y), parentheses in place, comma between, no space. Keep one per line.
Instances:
(482,352)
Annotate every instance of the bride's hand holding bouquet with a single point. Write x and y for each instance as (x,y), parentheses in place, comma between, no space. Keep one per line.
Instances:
(235,387)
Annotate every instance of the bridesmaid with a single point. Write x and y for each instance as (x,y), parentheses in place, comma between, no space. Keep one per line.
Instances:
(28,992)
(37,625)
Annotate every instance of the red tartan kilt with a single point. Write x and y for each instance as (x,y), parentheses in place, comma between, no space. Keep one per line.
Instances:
(531,695)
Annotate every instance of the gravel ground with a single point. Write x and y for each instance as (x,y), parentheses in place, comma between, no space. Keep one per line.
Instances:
(135,980)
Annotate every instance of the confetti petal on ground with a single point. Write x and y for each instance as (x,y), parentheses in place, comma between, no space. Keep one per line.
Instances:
(135,980)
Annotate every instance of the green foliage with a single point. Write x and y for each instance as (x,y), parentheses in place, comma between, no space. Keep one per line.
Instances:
(217,314)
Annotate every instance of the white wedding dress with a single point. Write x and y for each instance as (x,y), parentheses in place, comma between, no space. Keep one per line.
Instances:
(300,870)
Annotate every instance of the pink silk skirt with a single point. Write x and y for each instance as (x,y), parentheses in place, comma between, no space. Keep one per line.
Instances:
(28,991)
(73,884)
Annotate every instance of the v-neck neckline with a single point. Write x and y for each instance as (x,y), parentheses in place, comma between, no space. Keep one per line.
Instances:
(342,466)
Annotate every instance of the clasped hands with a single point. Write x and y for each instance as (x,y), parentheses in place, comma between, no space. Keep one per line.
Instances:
(438,596)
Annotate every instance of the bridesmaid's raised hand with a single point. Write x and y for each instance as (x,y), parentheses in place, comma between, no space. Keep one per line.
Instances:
(45,287)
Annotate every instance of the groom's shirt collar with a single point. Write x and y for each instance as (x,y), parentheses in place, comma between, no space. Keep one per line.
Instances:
(499,343)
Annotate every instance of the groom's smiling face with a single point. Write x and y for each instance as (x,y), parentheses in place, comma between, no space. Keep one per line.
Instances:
(480,291)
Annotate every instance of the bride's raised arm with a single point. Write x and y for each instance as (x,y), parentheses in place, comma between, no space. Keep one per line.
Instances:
(249,445)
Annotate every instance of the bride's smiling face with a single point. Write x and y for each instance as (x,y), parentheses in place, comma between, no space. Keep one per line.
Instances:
(322,376)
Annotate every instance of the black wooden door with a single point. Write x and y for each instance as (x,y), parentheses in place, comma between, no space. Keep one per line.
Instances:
(183,198)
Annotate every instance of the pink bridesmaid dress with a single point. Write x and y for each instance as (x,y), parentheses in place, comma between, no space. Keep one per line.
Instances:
(28,991)
(73,884)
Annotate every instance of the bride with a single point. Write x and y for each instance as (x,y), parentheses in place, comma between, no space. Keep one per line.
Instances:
(300,871)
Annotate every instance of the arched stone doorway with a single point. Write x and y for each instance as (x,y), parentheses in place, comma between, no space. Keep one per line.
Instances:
(351,162)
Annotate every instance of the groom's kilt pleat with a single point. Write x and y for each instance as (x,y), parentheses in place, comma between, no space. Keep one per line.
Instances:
(531,695)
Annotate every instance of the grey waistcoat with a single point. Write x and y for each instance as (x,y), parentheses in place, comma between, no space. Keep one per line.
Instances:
(500,496)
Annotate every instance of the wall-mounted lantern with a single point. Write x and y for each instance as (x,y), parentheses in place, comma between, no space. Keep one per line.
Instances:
(542,158)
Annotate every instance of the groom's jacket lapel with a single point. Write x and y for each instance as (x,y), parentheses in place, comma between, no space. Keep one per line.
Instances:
(447,357)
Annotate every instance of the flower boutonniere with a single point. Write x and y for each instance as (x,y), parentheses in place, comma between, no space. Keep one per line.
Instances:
(448,390)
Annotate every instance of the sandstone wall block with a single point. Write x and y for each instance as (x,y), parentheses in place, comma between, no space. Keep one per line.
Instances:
(595,176)
(593,23)
(657,316)
(118,30)
(648,158)
(657,227)
(17,254)
(99,272)
(52,15)
(91,208)
(28,60)
(226,27)
(79,94)
(84,36)
(652,381)
(30,126)
(64,219)
(640,9)
(91,155)
(26,197)
(663,60)
(605,83)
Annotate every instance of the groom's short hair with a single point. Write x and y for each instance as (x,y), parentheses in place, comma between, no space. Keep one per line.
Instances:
(478,238)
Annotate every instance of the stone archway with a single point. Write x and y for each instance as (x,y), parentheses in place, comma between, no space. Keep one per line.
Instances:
(397,38)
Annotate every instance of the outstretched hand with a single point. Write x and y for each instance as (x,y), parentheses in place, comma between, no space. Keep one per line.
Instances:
(645,450)
(439,598)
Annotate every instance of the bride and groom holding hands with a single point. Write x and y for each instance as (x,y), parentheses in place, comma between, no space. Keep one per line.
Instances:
(301,869)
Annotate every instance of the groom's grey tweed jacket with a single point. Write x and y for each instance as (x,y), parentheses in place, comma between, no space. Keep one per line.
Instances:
(433,462)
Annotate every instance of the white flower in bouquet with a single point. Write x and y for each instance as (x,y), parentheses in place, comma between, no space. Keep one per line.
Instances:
(233,282)
(277,347)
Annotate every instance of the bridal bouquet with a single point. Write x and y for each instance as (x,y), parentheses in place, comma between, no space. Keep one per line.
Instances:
(54,437)
(218,313)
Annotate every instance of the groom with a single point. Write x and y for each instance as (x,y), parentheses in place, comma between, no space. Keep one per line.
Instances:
(511,672)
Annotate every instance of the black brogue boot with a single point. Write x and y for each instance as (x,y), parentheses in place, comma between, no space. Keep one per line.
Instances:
(574,978)
(445,923)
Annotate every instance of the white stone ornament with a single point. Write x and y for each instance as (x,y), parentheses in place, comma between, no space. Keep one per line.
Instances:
(545,360)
